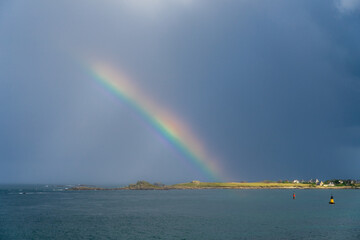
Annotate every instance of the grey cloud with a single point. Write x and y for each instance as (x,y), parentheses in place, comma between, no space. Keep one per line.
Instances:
(270,88)
(346,6)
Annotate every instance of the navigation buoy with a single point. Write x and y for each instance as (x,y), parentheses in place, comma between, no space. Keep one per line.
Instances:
(293,195)
(332,200)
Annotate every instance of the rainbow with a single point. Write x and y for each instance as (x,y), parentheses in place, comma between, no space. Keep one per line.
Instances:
(169,127)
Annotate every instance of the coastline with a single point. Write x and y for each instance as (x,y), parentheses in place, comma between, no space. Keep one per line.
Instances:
(195,185)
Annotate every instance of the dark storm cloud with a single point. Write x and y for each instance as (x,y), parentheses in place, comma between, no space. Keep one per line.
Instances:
(271,88)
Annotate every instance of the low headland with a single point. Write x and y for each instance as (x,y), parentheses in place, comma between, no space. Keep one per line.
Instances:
(143,185)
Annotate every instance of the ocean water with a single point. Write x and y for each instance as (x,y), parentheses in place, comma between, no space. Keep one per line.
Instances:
(43,213)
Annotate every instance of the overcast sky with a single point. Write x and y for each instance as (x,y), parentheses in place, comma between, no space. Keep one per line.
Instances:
(271,88)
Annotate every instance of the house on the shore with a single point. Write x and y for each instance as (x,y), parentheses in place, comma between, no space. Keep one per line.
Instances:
(195,182)
(331,184)
(296,181)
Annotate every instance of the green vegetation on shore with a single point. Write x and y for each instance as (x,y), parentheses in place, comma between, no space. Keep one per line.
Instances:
(146,185)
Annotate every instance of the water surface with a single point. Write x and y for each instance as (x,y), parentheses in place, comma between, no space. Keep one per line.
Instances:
(49,213)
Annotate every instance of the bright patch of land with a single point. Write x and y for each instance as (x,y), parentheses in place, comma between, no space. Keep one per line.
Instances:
(196,185)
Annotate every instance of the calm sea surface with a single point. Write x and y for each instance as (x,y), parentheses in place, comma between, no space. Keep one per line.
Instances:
(43,213)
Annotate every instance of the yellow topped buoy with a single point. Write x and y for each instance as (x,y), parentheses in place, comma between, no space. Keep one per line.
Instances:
(332,200)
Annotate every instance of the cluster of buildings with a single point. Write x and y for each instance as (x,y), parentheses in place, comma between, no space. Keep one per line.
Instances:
(316,181)
(328,183)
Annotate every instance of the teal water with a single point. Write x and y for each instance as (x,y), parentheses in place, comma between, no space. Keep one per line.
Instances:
(178,214)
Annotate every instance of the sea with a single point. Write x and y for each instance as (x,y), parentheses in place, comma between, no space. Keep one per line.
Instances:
(51,212)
